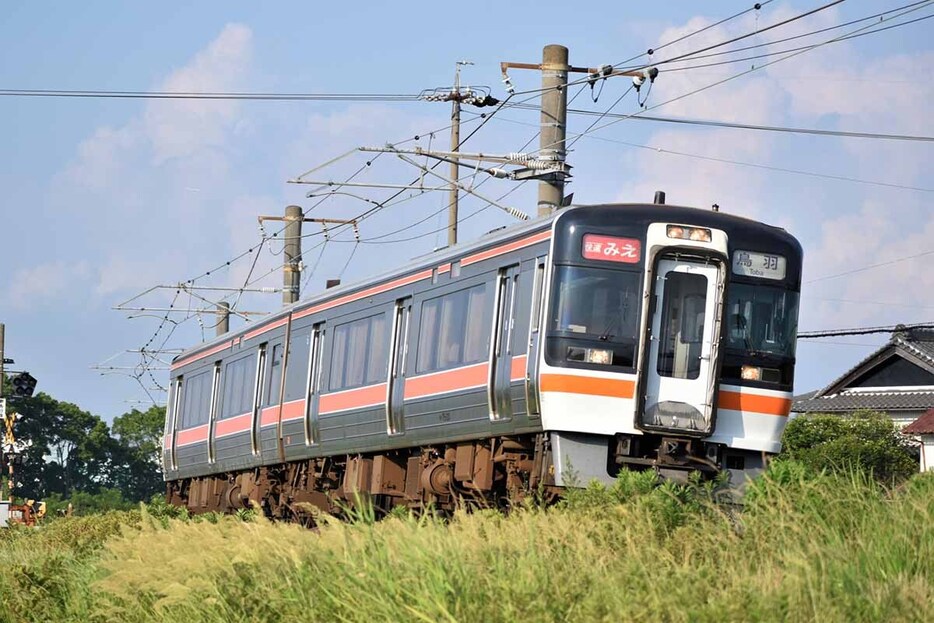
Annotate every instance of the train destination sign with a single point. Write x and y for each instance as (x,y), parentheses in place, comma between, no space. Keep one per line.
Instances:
(761,265)
(611,249)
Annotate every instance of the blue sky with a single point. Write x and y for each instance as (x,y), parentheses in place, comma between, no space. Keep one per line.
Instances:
(105,198)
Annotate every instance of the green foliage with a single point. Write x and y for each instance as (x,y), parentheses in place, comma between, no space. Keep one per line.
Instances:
(74,453)
(84,503)
(828,546)
(864,440)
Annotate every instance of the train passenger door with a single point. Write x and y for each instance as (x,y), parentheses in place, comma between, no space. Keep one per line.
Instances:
(314,384)
(215,390)
(680,371)
(501,344)
(258,399)
(535,340)
(171,425)
(398,352)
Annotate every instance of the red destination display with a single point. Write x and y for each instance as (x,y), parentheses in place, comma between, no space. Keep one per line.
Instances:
(611,249)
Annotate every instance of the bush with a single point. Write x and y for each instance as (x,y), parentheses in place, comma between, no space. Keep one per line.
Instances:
(84,503)
(865,441)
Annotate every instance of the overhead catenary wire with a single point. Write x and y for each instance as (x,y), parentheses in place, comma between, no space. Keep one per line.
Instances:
(741,74)
(196,95)
(806,335)
(871,267)
(662,150)
(787,50)
(704,49)
(720,22)
(800,36)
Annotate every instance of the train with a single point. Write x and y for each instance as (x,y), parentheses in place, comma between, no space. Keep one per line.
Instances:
(539,357)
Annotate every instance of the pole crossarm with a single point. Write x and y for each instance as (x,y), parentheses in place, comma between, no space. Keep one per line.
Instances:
(507,209)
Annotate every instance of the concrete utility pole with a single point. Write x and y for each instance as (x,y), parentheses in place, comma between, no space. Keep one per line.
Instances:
(292,267)
(292,270)
(555,70)
(554,124)
(455,144)
(223,318)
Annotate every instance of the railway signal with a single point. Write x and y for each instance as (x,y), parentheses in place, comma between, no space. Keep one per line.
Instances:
(24,384)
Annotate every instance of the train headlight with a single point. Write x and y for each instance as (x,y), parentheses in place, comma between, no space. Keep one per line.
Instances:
(599,356)
(751,373)
(602,356)
(697,234)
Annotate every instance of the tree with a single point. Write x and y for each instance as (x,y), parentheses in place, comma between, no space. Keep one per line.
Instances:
(68,448)
(137,469)
(864,440)
(70,451)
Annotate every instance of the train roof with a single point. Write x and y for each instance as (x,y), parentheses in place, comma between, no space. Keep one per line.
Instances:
(640,212)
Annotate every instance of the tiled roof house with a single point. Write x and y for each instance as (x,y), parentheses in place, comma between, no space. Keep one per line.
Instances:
(897,379)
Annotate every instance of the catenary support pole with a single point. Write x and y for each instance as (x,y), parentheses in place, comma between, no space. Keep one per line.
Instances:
(291,270)
(553,123)
(455,144)
(223,317)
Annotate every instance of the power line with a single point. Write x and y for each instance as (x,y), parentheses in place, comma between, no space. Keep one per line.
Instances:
(766,167)
(748,71)
(806,335)
(787,50)
(196,95)
(871,266)
(756,32)
(765,128)
(651,51)
(804,35)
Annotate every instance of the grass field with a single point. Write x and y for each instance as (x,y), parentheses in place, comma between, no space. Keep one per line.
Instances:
(804,547)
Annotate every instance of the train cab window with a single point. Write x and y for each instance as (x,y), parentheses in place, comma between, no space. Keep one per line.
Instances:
(762,319)
(274,383)
(454,330)
(594,309)
(238,379)
(196,400)
(359,354)
(682,330)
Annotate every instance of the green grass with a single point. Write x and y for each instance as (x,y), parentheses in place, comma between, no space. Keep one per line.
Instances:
(805,547)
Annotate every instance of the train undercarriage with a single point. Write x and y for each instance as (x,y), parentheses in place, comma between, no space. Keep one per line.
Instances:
(491,473)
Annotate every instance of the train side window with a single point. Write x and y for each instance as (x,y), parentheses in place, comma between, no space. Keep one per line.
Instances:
(238,391)
(359,354)
(196,400)
(454,330)
(274,383)
(296,373)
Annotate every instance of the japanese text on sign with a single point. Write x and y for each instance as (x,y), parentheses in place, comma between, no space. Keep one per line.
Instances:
(762,265)
(611,249)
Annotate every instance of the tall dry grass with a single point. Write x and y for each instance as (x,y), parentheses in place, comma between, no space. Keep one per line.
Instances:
(803,548)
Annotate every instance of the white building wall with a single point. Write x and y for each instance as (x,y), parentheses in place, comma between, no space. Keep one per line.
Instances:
(927,452)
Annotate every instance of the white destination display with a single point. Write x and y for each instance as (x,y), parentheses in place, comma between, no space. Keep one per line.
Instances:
(762,265)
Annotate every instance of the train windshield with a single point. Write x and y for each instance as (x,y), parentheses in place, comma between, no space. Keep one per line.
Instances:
(597,303)
(762,319)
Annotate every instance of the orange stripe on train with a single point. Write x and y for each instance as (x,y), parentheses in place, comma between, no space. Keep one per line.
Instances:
(754,403)
(369,396)
(506,248)
(447,381)
(191,435)
(572,384)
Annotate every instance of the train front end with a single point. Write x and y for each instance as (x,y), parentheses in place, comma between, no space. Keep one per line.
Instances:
(669,341)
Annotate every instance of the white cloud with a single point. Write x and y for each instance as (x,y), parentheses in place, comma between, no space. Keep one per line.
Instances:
(45,283)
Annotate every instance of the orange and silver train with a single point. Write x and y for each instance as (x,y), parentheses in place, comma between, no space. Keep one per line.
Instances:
(549,354)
